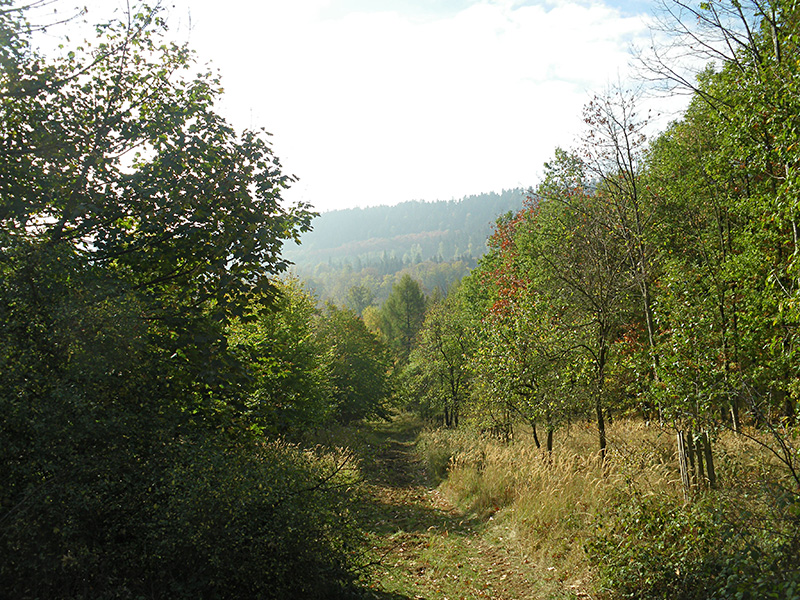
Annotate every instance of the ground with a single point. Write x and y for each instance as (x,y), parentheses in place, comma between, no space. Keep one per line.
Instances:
(423,547)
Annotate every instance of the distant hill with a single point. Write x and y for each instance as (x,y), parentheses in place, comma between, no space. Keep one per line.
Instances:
(438,242)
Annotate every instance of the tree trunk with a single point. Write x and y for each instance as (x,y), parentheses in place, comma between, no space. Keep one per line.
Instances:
(735,422)
(690,454)
(699,450)
(598,401)
(683,453)
(535,437)
(712,475)
(601,427)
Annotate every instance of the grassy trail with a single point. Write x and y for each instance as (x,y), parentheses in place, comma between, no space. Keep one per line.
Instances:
(425,546)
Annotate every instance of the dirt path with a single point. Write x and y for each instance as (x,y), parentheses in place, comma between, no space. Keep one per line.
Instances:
(427,549)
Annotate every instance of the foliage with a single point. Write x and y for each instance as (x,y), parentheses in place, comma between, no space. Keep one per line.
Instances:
(178,521)
(437,378)
(309,367)
(359,366)
(402,315)
(289,387)
(654,548)
(135,226)
(129,166)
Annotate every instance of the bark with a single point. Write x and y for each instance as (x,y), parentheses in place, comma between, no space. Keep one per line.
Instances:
(535,437)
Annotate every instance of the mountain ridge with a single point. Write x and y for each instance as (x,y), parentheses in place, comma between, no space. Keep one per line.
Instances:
(437,241)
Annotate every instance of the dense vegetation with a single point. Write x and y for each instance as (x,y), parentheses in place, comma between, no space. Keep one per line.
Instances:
(656,278)
(156,375)
(166,387)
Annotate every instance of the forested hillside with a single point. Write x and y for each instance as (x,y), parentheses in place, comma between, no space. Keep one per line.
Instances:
(409,231)
(438,242)
(604,404)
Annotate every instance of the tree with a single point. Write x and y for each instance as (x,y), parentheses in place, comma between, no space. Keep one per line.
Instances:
(614,153)
(522,360)
(358,366)
(128,166)
(359,297)
(402,315)
(739,192)
(582,272)
(289,393)
(135,224)
(439,370)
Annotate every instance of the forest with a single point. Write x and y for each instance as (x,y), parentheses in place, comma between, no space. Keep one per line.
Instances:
(605,405)
(371,248)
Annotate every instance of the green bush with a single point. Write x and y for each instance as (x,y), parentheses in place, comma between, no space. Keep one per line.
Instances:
(191,520)
(266,524)
(650,547)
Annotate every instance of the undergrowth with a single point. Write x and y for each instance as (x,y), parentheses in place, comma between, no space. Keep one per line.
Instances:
(621,528)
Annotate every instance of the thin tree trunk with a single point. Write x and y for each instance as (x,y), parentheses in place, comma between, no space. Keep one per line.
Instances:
(601,427)
(712,475)
(598,402)
(684,466)
(736,423)
(690,454)
(699,450)
(535,437)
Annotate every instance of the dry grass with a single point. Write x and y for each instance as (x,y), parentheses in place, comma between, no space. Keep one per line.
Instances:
(547,504)
(506,521)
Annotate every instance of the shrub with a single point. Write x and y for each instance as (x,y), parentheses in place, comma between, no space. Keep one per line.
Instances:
(191,519)
(273,523)
(653,547)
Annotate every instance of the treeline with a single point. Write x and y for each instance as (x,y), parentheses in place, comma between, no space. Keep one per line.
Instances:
(414,230)
(357,290)
(159,381)
(436,242)
(654,278)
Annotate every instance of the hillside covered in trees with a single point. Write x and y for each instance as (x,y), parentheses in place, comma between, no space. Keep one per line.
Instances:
(438,242)
(604,405)
(410,231)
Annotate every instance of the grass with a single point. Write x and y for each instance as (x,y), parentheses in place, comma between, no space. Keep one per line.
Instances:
(454,514)
(548,508)
(421,544)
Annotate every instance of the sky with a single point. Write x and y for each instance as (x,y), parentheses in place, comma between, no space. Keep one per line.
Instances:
(381,101)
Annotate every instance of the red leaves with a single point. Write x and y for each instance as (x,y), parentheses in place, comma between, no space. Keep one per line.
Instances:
(506,279)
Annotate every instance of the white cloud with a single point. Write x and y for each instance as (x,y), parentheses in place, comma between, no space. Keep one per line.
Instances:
(378,106)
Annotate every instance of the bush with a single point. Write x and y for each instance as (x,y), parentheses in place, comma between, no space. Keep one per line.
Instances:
(273,523)
(651,547)
(194,520)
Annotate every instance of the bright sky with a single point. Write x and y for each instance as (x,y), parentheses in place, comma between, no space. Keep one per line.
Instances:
(380,101)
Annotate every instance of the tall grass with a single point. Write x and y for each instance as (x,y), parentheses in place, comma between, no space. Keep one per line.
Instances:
(555,505)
